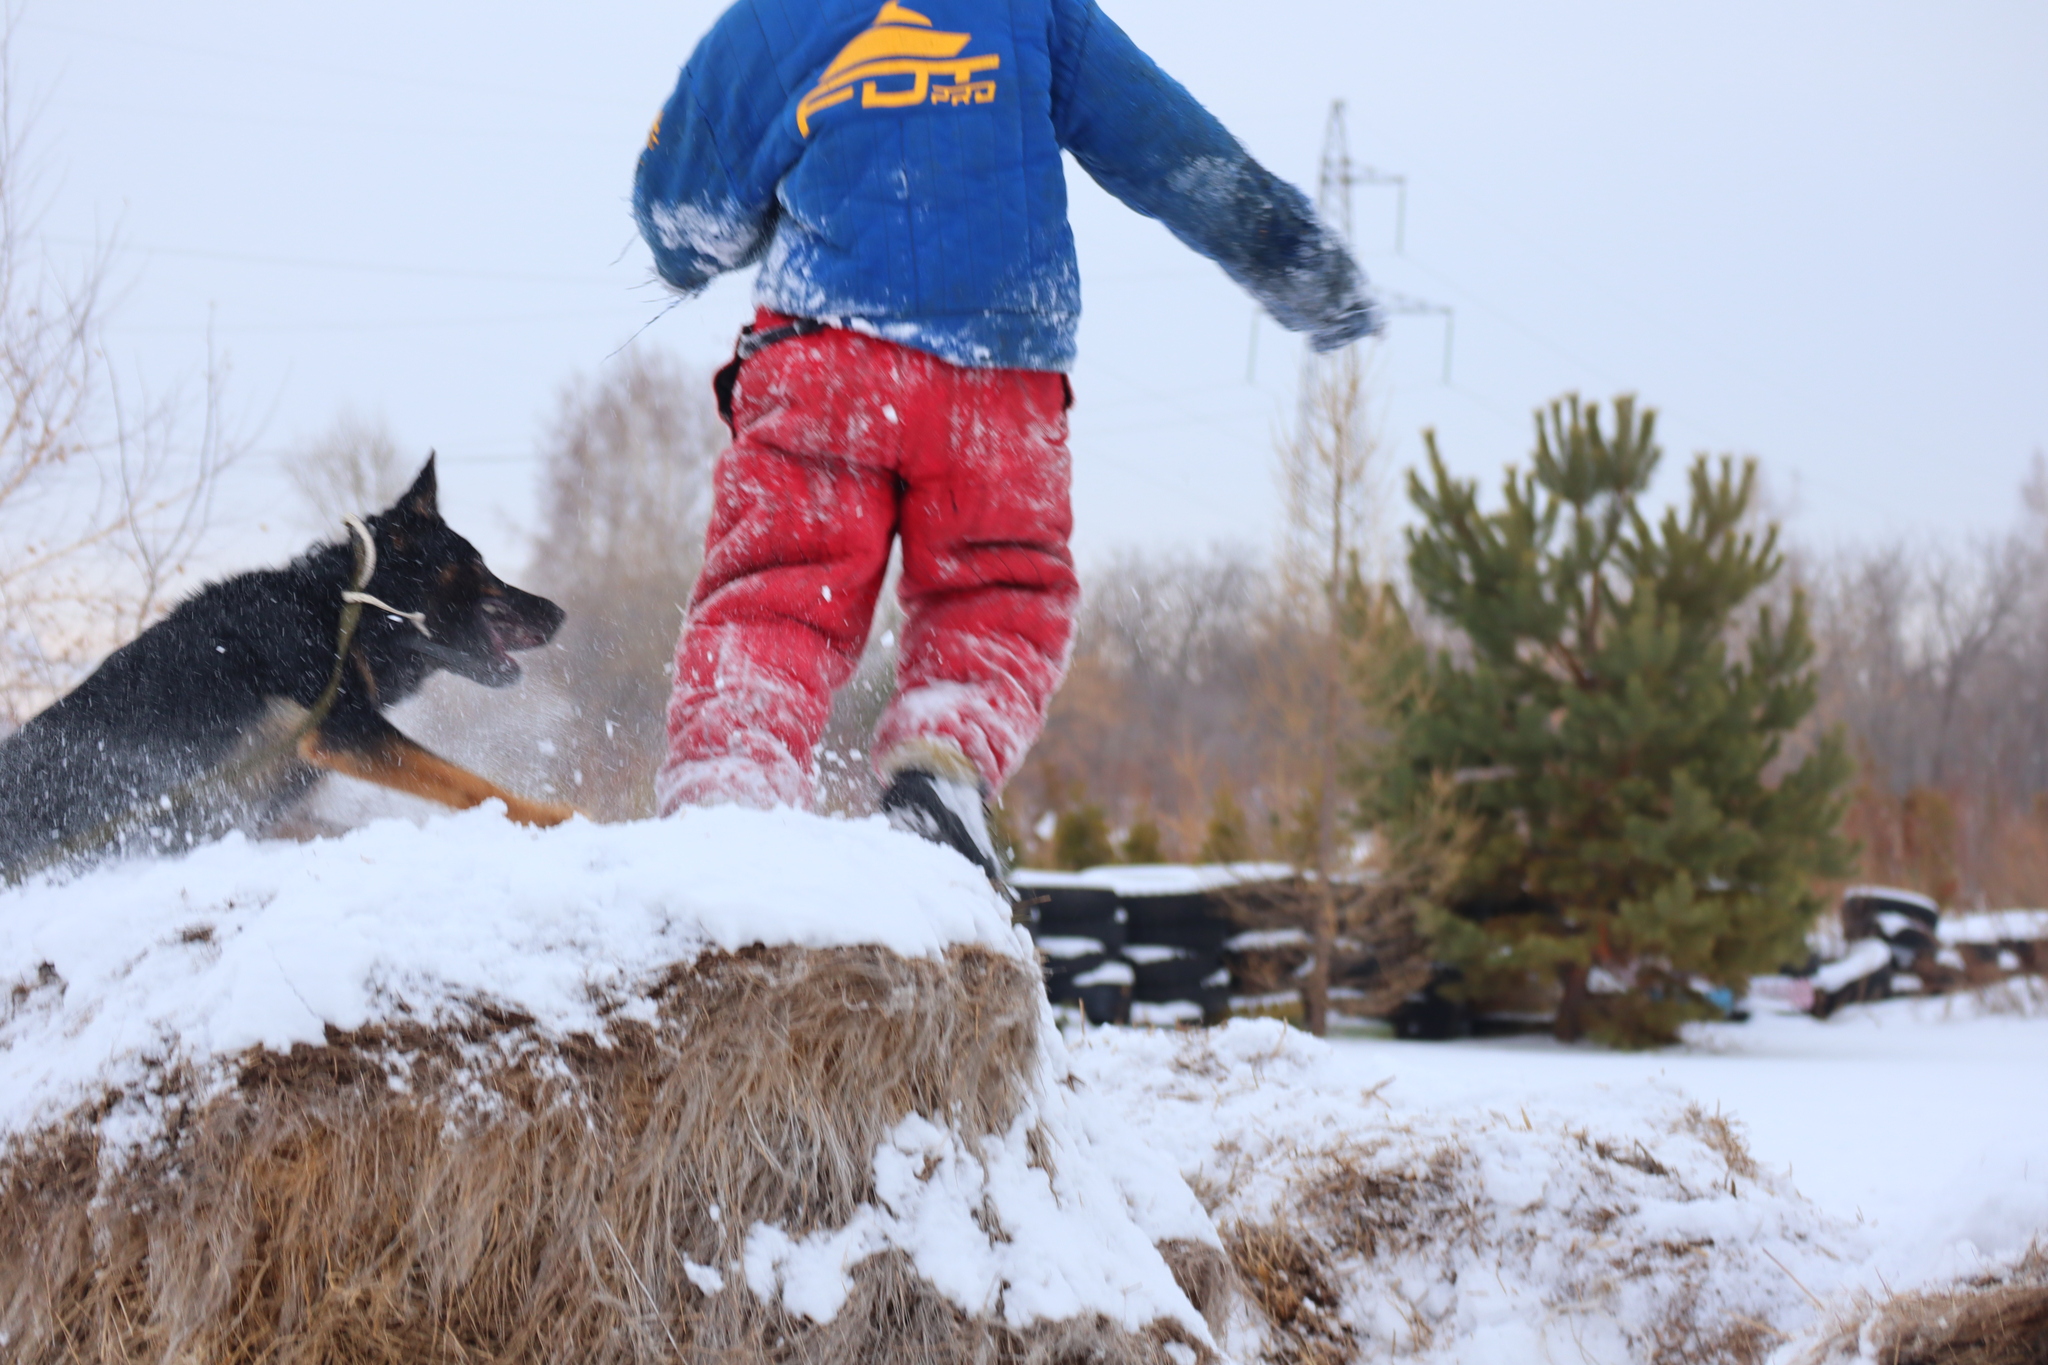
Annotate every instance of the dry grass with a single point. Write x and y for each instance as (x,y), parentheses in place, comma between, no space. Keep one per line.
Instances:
(428,1195)
(1721,1133)
(1345,1210)
(1998,1319)
(1291,1281)
(2025,997)
(1364,1223)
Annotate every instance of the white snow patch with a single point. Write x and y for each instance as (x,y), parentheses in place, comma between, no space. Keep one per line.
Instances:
(725,235)
(1864,957)
(1996,926)
(1146,879)
(1108,974)
(134,968)
(1065,946)
(1541,1224)
(1266,940)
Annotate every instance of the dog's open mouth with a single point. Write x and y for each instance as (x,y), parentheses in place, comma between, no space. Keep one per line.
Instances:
(487,655)
(509,632)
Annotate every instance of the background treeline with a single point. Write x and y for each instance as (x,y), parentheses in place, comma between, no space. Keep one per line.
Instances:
(1935,661)
(1932,657)
(1188,725)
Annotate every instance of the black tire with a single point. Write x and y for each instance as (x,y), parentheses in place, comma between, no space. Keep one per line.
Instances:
(1076,912)
(1190,921)
(1103,1004)
(1429,1018)
(1067,968)
(1176,978)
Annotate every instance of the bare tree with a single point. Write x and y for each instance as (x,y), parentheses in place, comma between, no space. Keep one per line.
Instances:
(1152,719)
(1935,658)
(352,466)
(1328,472)
(105,489)
(627,489)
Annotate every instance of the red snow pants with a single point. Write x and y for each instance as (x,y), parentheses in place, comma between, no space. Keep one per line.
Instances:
(843,442)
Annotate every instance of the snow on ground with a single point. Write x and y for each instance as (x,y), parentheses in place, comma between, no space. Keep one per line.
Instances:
(238,944)
(1923,1121)
(1492,1224)
(146,981)
(1895,1146)
(1492,1200)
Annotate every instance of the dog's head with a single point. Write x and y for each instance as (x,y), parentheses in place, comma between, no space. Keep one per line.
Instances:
(475,621)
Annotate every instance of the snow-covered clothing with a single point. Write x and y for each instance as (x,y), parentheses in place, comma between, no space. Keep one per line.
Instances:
(899,172)
(842,442)
(897,175)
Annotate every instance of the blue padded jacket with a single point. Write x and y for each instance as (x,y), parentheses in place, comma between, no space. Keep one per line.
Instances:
(899,172)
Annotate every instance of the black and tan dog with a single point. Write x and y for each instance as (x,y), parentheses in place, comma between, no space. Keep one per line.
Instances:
(132,757)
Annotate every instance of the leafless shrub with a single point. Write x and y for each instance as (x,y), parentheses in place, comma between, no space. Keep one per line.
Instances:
(353,466)
(626,490)
(1150,720)
(1934,657)
(105,488)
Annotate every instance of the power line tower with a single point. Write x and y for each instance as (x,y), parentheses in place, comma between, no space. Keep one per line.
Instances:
(1339,176)
(1328,468)
(1333,185)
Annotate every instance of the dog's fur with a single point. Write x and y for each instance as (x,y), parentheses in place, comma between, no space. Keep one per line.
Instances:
(130,758)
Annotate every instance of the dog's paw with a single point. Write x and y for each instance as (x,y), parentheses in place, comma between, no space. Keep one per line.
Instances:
(540,814)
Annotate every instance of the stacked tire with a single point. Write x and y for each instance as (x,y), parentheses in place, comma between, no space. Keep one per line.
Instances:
(1080,933)
(1129,954)
(1174,944)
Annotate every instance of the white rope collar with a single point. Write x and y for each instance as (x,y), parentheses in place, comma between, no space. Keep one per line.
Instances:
(369,571)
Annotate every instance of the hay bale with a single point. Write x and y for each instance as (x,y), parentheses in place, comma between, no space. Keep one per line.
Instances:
(1996,1318)
(769,1153)
(412,1194)
(1378,1221)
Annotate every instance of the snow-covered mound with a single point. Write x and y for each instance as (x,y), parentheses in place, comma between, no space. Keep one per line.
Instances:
(140,966)
(746,1079)
(1372,1219)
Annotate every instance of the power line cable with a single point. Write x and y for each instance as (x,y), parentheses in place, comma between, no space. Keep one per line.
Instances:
(310,263)
(269,61)
(384,325)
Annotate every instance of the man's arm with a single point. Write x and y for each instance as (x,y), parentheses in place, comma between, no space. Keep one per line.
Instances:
(1150,143)
(699,192)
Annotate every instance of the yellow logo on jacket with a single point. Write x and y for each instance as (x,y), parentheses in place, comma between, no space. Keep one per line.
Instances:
(901,42)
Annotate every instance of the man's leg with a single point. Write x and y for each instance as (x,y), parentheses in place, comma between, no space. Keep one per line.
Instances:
(988,585)
(798,543)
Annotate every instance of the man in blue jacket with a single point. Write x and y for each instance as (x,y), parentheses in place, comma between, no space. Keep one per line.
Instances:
(896,175)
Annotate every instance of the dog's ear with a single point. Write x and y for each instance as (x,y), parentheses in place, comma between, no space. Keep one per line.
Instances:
(423,499)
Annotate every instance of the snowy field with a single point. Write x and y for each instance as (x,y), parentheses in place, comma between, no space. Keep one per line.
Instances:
(1923,1121)
(1485,1201)
(1540,1202)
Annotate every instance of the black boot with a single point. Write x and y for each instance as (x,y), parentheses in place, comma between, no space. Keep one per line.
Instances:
(945,811)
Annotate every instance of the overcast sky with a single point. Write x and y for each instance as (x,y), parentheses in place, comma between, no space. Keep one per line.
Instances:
(1816,233)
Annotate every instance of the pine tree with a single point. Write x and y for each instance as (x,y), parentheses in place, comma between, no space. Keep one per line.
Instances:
(1143,842)
(1614,724)
(1228,839)
(1080,838)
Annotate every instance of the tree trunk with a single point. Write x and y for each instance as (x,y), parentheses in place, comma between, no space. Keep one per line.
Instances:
(1315,995)
(1570,1024)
